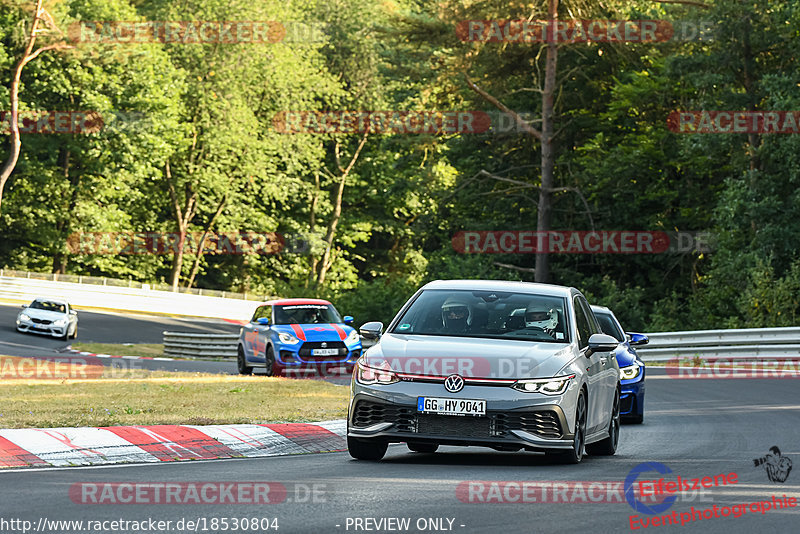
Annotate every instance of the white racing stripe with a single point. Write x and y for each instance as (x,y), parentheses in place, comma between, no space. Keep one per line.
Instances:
(250,440)
(76,446)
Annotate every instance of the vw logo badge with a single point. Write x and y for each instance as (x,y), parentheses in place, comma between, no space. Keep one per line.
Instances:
(323,345)
(454,383)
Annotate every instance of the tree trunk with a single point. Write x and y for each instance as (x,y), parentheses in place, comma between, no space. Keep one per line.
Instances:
(16,142)
(312,268)
(325,261)
(183,216)
(199,252)
(543,218)
(64,225)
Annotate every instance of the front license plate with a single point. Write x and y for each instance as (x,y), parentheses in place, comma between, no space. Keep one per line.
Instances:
(324,352)
(444,406)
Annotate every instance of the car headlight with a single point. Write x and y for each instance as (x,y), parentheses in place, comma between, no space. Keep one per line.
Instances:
(369,375)
(547,386)
(23,317)
(629,372)
(352,338)
(60,322)
(288,339)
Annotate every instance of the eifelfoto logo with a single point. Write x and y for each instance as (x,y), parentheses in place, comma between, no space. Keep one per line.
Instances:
(454,383)
(777,466)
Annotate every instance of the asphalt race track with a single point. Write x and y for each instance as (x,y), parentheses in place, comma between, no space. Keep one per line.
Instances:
(694,427)
(116,327)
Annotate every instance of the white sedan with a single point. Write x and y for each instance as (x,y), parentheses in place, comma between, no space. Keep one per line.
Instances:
(53,317)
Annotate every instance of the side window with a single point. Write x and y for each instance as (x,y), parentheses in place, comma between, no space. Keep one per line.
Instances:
(267,313)
(581,324)
(257,315)
(594,325)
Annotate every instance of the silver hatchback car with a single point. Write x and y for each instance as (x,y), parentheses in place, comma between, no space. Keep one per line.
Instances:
(506,365)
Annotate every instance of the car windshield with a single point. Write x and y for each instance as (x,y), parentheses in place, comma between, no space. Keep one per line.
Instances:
(306,314)
(49,306)
(487,314)
(609,326)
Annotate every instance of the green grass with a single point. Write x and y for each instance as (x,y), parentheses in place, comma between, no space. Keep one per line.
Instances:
(143,397)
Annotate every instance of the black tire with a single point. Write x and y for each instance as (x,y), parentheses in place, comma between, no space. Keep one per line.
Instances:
(366,449)
(65,336)
(75,333)
(423,447)
(241,363)
(633,419)
(608,446)
(575,454)
(269,361)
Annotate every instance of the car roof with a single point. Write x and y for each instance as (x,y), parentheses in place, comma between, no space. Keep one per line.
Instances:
(503,285)
(289,302)
(596,308)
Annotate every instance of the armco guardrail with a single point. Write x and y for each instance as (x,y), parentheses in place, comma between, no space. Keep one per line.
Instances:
(744,343)
(189,345)
(115,282)
(127,298)
(186,345)
(749,343)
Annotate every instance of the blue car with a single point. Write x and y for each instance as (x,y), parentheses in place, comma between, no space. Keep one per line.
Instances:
(298,337)
(631,368)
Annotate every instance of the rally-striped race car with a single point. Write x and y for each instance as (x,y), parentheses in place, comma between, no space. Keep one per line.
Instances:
(298,337)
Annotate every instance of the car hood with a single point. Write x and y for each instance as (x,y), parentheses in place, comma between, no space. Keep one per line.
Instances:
(48,315)
(316,332)
(469,357)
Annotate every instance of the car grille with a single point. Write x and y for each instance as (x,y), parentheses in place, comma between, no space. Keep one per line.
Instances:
(41,321)
(541,423)
(626,403)
(372,413)
(544,423)
(308,346)
(449,425)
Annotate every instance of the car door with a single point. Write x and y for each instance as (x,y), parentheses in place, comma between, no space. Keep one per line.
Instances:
(264,332)
(72,316)
(594,368)
(251,337)
(610,369)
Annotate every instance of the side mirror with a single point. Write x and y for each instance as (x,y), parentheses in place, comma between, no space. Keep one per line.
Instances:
(601,343)
(371,330)
(637,339)
(73,312)
(348,319)
(24,306)
(262,321)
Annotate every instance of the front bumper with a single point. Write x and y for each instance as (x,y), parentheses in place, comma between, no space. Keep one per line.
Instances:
(513,419)
(39,328)
(298,359)
(632,398)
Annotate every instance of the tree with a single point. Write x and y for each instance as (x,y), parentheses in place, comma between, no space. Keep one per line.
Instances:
(40,14)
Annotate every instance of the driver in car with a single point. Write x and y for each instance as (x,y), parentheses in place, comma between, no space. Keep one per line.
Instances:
(541,316)
(456,316)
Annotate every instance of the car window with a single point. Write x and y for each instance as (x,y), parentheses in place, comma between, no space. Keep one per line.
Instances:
(49,306)
(594,326)
(259,314)
(306,314)
(486,314)
(582,324)
(609,326)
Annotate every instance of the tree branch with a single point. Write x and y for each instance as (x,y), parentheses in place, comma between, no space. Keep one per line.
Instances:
(514,267)
(686,2)
(502,107)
